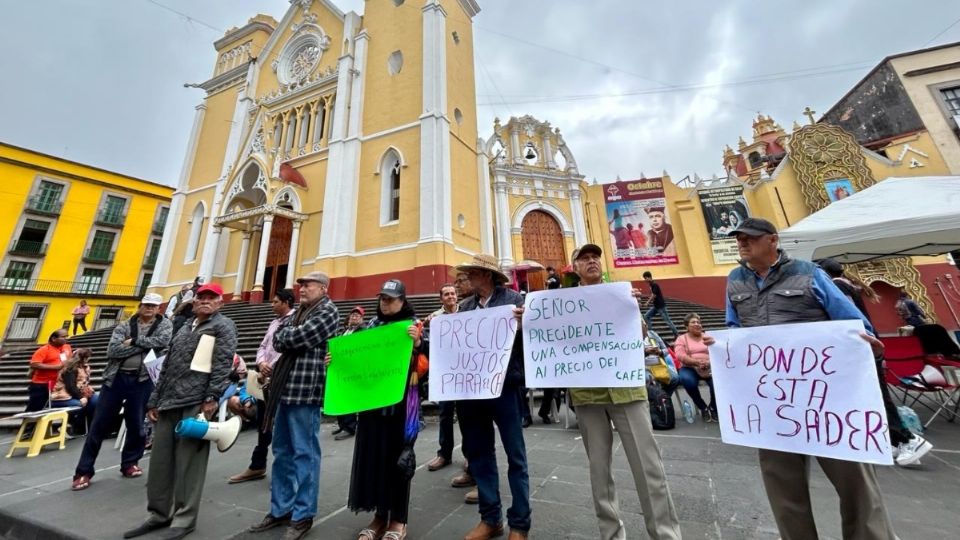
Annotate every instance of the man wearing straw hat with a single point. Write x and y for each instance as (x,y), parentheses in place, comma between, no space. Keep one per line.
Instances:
(477,417)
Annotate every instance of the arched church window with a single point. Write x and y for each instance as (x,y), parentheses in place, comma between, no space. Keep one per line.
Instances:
(196,229)
(755,159)
(390,191)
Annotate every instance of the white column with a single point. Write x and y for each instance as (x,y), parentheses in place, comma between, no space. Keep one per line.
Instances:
(337,215)
(579,223)
(242,265)
(548,152)
(292,268)
(436,221)
(211,247)
(504,234)
(262,255)
(515,144)
(486,209)
(175,217)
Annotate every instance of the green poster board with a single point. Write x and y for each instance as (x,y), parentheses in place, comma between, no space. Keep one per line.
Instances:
(368,369)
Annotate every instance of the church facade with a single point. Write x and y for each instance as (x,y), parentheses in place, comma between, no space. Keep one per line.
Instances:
(330,141)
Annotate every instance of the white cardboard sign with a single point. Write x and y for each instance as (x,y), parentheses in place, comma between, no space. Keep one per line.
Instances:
(806,388)
(469,353)
(583,337)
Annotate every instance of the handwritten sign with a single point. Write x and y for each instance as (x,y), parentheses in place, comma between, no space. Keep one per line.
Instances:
(153,365)
(469,353)
(808,388)
(368,369)
(584,337)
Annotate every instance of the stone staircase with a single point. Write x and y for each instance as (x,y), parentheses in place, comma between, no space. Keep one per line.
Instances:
(252,321)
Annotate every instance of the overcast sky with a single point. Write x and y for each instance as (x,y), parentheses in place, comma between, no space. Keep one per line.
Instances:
(635,86)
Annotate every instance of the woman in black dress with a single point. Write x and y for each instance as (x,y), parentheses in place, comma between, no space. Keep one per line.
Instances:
(383,460)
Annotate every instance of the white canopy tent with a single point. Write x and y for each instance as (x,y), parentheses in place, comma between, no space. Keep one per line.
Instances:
(893,218)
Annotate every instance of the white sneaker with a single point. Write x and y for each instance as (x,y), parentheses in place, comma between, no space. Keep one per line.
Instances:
(912,450)
(895,451)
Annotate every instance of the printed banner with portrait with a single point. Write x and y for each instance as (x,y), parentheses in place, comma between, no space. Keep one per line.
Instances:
(639,224)
(723,209)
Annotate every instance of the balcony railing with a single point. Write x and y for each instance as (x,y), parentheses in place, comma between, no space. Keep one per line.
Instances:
(150,260)
(69,287)
(26,248)
(44,206)
(95,255)
(111,218)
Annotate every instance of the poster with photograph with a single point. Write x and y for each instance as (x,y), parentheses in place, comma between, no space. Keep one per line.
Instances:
(839,188)
(723,210)
(639,224)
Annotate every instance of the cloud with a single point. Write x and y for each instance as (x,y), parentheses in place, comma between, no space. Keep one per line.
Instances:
(633,86)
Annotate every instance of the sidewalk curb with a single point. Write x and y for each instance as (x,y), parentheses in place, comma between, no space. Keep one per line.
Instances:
(15,527)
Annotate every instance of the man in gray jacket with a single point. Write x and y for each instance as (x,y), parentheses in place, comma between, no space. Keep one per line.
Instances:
(126,386)
(195,374)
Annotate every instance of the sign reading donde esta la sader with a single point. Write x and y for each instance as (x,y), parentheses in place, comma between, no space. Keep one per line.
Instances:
(808,388)
(583,337)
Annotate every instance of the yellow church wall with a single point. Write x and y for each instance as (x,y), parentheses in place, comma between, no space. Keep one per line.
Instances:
(54,279)
(465,197)
(183,270)
(212,142)
(370,235)
(461,87)
(392,28)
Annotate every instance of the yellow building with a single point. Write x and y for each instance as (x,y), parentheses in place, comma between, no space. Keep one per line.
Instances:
(335,142)
(78,232)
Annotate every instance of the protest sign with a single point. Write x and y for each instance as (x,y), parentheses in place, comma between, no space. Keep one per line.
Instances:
(469,353)
(153,365)
(584,337)
(368,369)
(808,388)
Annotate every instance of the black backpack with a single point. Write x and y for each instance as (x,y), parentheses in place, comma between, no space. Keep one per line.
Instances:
(662,415)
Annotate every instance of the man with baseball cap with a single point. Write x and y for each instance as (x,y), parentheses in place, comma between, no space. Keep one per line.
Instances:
(189,383)
(126,385)
(293,408)
(629,412)
(770,288)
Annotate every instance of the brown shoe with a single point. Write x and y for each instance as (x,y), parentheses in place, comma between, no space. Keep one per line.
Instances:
(517,535)
(247,475)
(472,496)
(463,480)
(484,531)
(437,463)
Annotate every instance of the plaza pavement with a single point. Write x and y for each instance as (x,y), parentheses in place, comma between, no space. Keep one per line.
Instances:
(716,488)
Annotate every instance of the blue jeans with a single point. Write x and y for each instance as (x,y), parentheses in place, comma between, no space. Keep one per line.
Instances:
(131,395)
(652,312)
(691,381)
(296,461)
(477,418)
(77,418)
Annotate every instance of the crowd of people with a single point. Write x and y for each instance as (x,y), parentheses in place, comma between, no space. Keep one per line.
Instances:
(198,344)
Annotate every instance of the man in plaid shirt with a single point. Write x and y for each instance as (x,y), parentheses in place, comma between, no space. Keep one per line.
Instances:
(296,393)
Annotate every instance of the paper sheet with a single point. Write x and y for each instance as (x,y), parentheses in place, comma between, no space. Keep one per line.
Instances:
(153,364)
(203,356)
(253,384)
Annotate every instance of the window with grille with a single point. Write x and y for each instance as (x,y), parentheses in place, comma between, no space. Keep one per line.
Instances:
(18,275)
(48,196)
(26,322)
(32,237)
(951,96)
(102,244)
(144,283)
(91,281)
(113,209)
